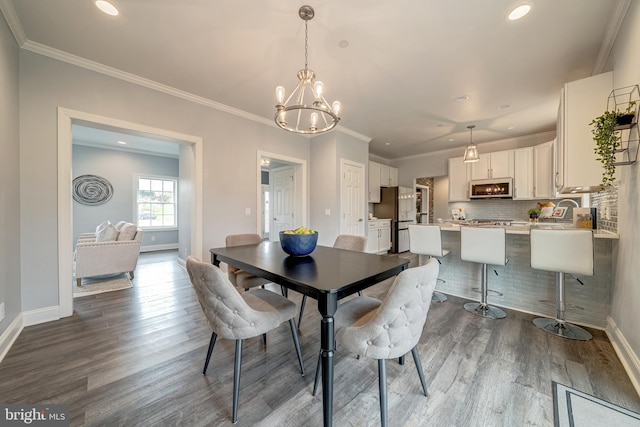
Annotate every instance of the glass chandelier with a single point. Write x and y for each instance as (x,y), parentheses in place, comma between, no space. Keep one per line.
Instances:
(471,152)
(305,110)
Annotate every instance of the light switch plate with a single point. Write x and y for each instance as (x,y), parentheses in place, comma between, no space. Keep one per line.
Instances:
(327,212)
(247,211)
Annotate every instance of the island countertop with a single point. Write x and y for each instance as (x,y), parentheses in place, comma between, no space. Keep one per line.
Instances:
(526,228)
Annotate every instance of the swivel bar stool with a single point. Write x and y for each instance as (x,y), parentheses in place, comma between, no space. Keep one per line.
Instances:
(562,251)
(485,245)
(427,240)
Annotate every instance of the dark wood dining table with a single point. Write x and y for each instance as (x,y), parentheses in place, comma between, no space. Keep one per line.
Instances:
(326,275)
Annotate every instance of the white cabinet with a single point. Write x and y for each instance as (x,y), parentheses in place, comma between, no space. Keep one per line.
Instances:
(374,182)
(388,176)
(580,102)
(458,180)
(543,170)
(379,236)
(523,176)
(493,165)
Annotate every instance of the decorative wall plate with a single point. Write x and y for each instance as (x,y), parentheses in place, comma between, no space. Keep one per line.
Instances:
(91,190)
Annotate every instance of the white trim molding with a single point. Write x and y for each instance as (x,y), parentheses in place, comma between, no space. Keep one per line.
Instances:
(623,349)
(163,247)
(10,335)
(41,315)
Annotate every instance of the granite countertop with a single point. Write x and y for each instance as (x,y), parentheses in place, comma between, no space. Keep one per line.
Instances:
(524,228)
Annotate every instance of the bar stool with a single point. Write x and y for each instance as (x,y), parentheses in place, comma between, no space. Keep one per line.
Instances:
(562,251)
(487,246)
(427,240)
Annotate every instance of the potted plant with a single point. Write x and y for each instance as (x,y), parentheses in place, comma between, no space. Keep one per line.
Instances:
(533,214)
(608,140)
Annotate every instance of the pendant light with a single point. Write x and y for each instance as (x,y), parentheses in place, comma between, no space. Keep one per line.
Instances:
(305,110)
(471,152)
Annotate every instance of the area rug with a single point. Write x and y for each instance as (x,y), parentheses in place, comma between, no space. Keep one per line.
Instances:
(98,285)
(573,408)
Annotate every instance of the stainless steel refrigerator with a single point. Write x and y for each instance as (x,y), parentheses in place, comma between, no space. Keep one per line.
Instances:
(392,207)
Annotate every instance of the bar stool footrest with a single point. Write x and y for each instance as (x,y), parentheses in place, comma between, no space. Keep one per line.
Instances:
(489,291)
(562,329)
(485,310)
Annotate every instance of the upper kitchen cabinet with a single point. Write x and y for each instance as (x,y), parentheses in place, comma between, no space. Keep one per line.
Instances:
(543,170)
(388,176)
(493,165)
(458,180)
(374,182)
(523,187)
(577,169)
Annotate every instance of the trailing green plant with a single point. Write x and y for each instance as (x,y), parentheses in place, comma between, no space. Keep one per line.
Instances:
(533,212)
(607,142)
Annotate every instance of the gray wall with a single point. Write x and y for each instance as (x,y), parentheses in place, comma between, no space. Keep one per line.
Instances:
(626,292)
(327,152)
(230,144)
(120,169)
(9,178)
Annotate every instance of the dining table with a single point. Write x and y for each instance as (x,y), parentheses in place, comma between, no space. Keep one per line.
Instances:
(326,275)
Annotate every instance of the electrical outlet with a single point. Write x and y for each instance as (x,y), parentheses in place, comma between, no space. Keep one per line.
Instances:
(247,211)
(1,312)
(153,238)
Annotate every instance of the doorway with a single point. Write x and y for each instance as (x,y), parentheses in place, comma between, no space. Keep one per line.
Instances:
(191,167)
(282,194)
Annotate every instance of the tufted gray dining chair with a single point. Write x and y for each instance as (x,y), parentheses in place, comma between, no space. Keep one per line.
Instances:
(238,316)
(347,242)
(390,328)
(238,277)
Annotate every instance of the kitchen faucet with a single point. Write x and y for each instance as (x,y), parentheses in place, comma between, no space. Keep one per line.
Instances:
(566,200)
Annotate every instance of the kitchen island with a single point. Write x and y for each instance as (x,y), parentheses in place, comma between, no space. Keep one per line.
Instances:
(529,290)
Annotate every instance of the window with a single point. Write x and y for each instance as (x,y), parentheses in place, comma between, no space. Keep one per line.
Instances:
(156,202)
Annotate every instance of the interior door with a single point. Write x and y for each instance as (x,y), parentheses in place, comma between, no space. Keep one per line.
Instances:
(282,201)
(353,200)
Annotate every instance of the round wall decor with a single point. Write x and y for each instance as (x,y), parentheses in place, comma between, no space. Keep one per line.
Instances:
(91,190)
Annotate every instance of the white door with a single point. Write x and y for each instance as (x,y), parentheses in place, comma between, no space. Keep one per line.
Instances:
(353,201)
(282,201)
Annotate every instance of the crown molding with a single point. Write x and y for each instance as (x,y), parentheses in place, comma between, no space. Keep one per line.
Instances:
(78,61)
(611,33)
(15,26)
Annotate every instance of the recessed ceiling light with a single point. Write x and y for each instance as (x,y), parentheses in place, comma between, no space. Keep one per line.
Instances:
(343,43)
(122,143)
(107,7)
(511,128)
(451,139)
(461,98)
(519,12)
(387,143)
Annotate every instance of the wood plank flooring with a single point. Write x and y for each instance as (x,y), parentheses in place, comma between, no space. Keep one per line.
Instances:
(134,358)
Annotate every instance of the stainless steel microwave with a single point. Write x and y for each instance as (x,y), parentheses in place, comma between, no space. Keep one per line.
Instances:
(495,188)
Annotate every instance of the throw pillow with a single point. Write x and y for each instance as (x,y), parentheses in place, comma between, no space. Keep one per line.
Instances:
(107,234)
(127,232)
(102,226)
(120,224)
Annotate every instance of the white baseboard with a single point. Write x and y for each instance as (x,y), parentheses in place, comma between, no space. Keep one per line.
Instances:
(10,335)
(41,315)
(165,247)
(624,351)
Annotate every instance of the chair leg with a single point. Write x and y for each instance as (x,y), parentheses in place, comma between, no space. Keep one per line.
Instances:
(284,291)
(302,304)
(316,383)
(416,360)
(131,275)
(359,293)
(264,339)
(401,360)
(79,282)
(212,342)
(483,309)
(382,385)
(296,343)
(236,380)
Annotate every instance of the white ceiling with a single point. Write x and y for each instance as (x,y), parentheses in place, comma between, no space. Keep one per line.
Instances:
(405,62)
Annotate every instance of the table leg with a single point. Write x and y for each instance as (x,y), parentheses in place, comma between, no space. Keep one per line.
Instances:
(327,305)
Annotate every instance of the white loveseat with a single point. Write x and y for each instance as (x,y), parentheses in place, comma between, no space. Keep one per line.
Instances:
(96,257)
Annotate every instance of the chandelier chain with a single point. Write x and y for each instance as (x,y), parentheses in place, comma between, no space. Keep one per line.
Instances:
(306,38)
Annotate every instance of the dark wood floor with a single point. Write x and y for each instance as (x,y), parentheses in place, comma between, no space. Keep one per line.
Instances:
(134,358)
